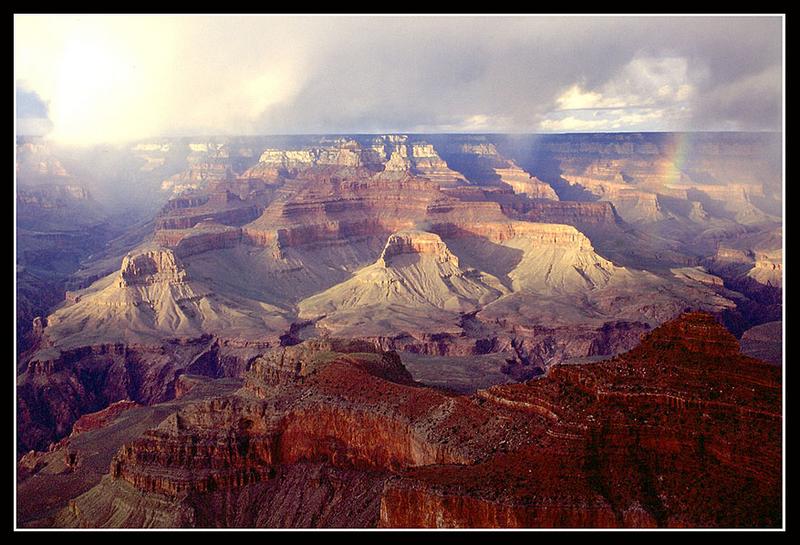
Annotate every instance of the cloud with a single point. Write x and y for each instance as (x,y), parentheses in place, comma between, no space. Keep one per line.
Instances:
(32,113)
(114,78)
(648,93)
(619,119)
(751,102)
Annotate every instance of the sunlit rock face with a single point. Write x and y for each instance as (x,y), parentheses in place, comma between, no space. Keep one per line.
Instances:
(390,153)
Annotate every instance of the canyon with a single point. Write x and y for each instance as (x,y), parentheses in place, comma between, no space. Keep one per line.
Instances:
(401,331)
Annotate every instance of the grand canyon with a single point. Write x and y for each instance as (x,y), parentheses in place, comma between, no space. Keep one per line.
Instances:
(403,331)
(399,272)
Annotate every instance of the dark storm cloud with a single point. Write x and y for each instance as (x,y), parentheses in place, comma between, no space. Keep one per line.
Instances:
(409,73)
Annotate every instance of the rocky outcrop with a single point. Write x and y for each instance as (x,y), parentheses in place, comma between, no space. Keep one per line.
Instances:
(93,421)
(151,267)
(417,243)
(389,153)
(337,153)
(695,332)
(58,386)
(578,214)
(204,237)
(522,182)
(609,444)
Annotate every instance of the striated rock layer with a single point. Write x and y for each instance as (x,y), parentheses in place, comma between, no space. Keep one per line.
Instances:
(682,431)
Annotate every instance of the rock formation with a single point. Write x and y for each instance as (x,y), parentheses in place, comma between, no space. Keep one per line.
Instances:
(636,441)
(516,271)
(416,270)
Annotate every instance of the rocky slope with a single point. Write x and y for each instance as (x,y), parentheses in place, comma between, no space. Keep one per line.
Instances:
(152,297)
(415,271)
(640,440)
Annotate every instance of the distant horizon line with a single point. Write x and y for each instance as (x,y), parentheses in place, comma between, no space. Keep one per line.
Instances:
(401,133)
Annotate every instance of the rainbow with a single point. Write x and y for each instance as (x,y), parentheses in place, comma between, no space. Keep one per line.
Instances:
(680,149)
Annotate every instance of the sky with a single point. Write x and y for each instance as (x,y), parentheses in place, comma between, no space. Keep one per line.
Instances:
(89,79)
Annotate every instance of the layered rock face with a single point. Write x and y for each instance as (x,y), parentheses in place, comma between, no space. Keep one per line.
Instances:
(522,182)
(419,158)
(644,174)
(58,386)
(416,270)
(202,237)
(390,153)
(319,206)
(612,492)
(234,202)
(577,214)
(752,263)
(483,164)
(416,243)
(633,204)
(341,152)
(152,297)
(150,268)
(640,440)
(54,392)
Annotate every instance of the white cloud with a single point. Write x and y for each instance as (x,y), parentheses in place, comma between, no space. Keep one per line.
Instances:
(644,92)
(116,78)
(576,98)
(645,81)
(572,123)
(620,119)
